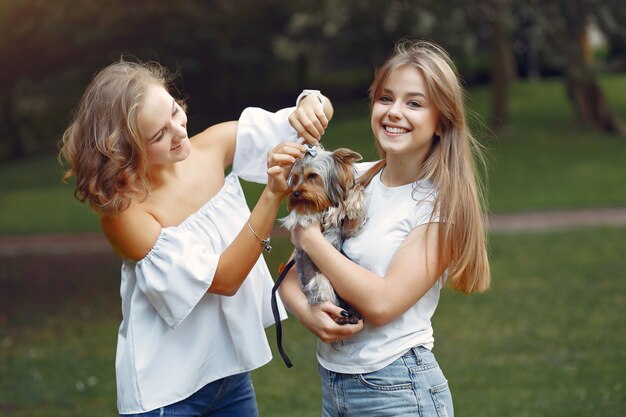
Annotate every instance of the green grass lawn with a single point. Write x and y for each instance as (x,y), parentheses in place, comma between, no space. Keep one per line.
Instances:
(544,160)
(547,340)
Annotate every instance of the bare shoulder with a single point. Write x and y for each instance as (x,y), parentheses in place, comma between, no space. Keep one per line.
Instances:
(217,141)
(132,233)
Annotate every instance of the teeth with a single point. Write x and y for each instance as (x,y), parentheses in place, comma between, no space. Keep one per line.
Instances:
(395,130)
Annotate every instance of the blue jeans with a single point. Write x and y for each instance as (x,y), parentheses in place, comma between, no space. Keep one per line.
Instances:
(412,385)
(232,396)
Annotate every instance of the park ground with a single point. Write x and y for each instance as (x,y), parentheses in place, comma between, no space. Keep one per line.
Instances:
(94,244)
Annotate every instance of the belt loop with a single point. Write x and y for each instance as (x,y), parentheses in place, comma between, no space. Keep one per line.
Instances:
(416,353)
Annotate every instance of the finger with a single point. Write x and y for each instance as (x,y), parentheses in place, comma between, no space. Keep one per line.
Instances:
(340,332)
(344,331)
(288,147)
(321,116)
(349,329)
(313,126)
(281,160)
(307,136)
(315,118)
(304,122)
(336,312)
(330,308)
(276,172)
(285,153)
(296,120)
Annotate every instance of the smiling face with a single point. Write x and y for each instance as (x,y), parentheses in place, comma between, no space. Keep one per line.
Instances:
(404,119)
(163,124)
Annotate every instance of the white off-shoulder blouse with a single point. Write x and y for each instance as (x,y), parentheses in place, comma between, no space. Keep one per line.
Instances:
(175,337)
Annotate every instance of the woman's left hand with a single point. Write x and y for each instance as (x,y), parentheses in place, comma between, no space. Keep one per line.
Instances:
(321,321)
(279,163)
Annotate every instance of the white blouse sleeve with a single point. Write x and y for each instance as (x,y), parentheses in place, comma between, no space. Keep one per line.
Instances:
(258,131)
(176,273)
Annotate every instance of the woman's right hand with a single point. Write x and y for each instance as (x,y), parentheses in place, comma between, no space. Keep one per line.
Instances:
(279,162)
(311,118)
(320,320)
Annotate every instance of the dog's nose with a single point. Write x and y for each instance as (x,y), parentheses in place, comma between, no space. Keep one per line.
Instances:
(296,194)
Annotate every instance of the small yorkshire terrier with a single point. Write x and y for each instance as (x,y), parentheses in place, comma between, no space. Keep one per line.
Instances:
(325,191)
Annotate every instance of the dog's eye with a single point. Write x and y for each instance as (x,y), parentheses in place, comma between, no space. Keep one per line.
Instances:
(311,176)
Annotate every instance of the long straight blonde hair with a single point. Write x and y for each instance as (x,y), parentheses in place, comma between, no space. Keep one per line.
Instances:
(451,165)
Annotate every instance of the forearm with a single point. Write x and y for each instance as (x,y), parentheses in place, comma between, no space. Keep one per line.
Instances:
(361,288)
(411,273)
(320,319)
(240,256)
(293,298)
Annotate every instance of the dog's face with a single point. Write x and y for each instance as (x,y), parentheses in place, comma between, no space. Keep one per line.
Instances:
(321,180)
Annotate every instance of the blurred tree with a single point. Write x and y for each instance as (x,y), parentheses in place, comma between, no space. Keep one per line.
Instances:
(610,17)
(527,40)
(222,52)
(336,36)
(582,87)
(502,60)
(233,53)
(566,23)
(42,40)
(495,16)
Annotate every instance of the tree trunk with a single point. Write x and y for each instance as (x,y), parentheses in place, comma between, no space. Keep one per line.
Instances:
(502,66)
(589,102)
(582,88)
(9,128)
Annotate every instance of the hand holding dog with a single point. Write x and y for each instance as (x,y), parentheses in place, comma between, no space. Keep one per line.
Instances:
(321,321)
(302,236)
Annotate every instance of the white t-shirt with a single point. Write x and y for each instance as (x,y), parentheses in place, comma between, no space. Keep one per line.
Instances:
(392,213)
(175,337)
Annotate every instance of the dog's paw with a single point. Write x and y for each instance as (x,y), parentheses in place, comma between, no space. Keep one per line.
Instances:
(351,319)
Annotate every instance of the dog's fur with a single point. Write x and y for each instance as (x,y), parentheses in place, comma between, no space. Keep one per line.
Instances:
(325,191)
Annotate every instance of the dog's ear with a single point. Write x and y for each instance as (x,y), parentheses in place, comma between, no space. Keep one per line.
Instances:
(347,155)
(343,175)
(337,184)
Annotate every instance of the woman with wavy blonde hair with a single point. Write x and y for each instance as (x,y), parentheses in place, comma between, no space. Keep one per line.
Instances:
(195,291)
(426,225)
(111,167)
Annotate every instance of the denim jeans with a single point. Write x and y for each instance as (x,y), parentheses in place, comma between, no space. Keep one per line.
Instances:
(412,385)
(232,396)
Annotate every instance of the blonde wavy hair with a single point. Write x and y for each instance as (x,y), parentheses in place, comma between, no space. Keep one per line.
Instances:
(103,145)
(451,165)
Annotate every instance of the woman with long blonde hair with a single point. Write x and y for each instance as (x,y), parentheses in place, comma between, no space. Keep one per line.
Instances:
(425,226)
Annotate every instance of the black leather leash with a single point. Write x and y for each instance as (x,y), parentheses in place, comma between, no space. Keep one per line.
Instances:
(279,327)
